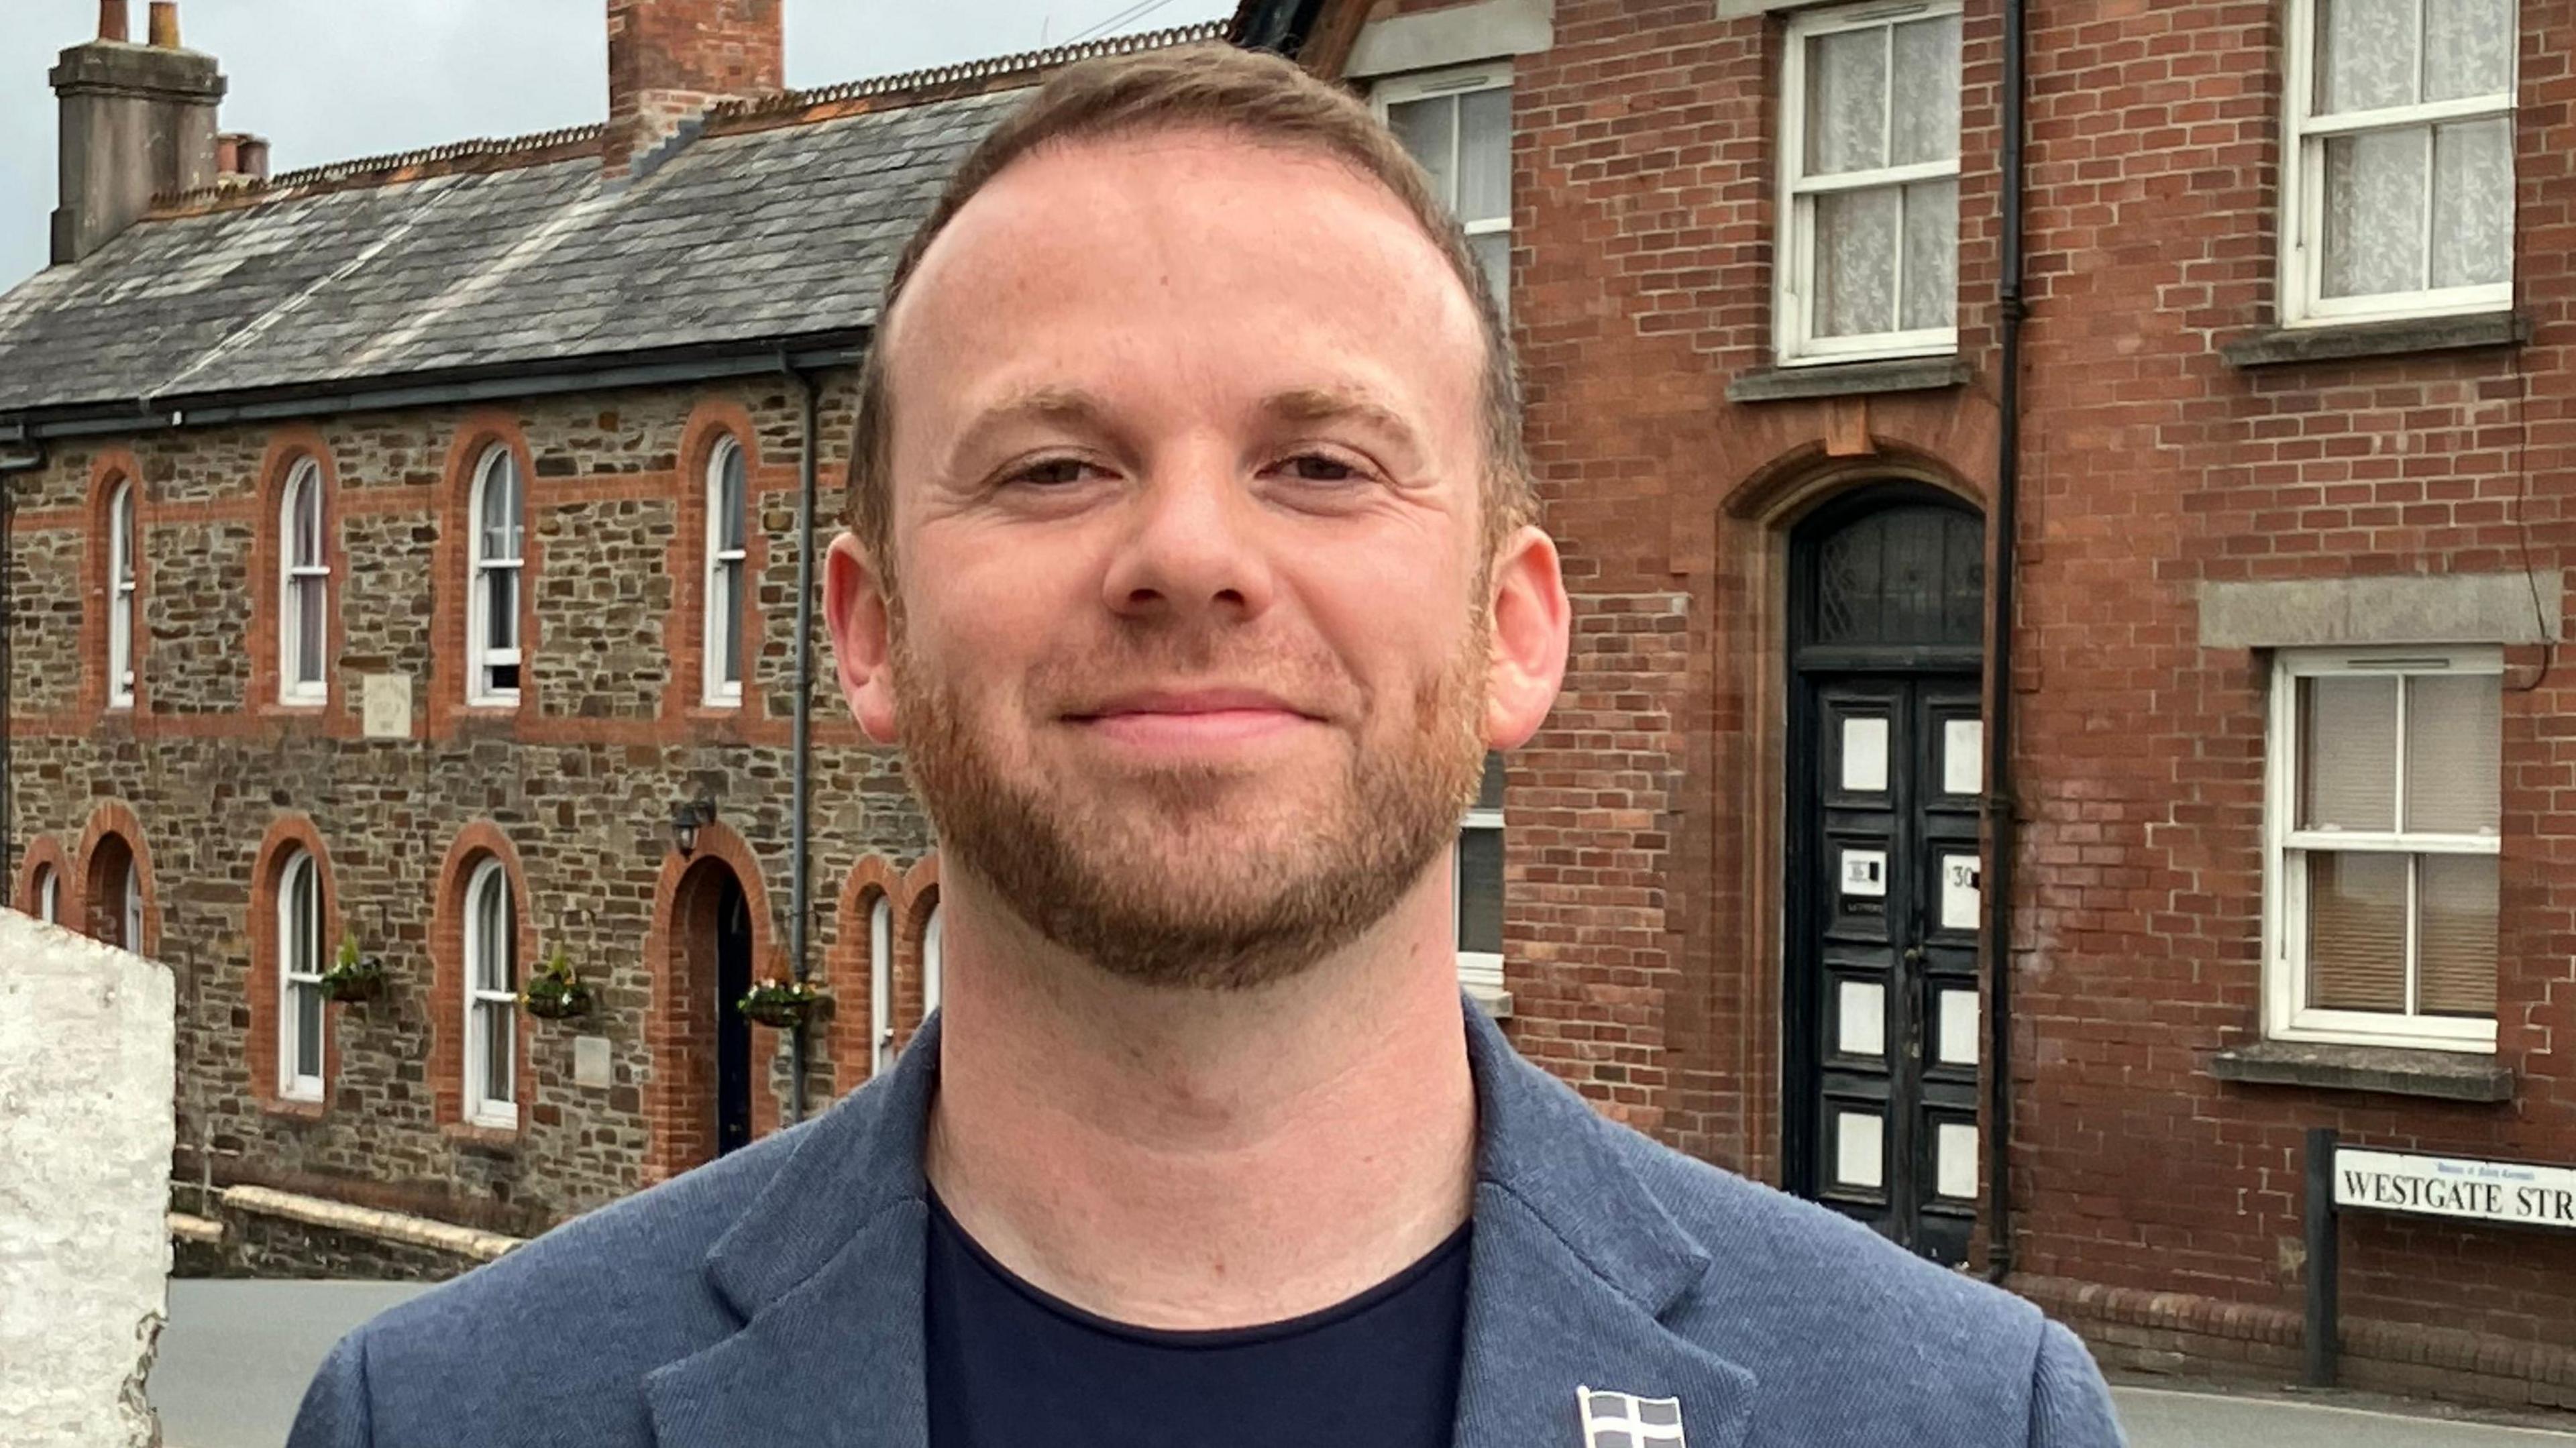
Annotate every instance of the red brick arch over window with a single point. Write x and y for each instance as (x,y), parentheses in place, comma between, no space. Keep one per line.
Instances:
(680,1032)
(920,896)
(714,421)
(286,834)
(451,562)
(113,468)
(114,836)
(847,966)
(44,853)
(268,550)
(474,844)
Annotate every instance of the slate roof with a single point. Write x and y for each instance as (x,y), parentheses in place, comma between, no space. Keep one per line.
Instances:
(736,237)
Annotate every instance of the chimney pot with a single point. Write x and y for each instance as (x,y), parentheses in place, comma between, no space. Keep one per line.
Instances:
(113,21)
(165,24)
(254,157)
(228,154)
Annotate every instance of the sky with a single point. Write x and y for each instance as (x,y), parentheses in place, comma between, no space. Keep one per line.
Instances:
(326,80)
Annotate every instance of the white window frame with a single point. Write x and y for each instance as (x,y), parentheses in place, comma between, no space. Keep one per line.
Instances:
(1478,970)
(132,904)
(880,984)
(483,658)
(934,961)
(490,885)
(2303,189)
(303,488)
(121,542)
(727,576)
(1793,257)
(295,975)
(2287,1015)
(1458,81)
(49,895)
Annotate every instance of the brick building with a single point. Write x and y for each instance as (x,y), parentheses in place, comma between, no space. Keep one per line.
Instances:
(2274,499)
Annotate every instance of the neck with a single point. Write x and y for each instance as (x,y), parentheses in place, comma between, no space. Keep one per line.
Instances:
(1198,1159)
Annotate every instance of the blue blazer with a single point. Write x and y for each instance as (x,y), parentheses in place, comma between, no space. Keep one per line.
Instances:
(774,1298)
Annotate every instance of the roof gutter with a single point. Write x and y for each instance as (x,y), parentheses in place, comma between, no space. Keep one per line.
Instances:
(491,384)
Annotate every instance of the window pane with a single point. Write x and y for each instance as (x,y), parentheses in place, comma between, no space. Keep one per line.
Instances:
(1927,91)
(2468,48)
(1428,129)
(1847,101)
(308,630)
(501,608)
(729,622)
(2473,203)
(1856,262)
(1931,255)
(2347,753)
(1493,252)
(1485,155)
(501,522)
(308,1031)
(2375,196)
(2357,932)
(1480,891)
(494,1021)
(2455,941)
(2454,743)
(2365,54)
(308,522)
(492,936)
(730,501)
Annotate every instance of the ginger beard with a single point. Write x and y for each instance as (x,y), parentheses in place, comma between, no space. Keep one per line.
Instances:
(1193,875)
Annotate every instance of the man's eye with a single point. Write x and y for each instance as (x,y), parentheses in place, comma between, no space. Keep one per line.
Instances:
(1051,473)
(1319,468)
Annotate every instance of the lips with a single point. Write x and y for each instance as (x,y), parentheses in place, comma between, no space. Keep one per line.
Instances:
(1181,720)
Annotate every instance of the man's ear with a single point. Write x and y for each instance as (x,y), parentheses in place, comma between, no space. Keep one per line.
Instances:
(862,641)
(1532,623)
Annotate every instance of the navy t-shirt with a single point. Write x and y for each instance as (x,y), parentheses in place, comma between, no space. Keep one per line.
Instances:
(1012,1367)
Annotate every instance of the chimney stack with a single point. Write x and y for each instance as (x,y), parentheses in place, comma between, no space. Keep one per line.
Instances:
(668,60)
(137,120)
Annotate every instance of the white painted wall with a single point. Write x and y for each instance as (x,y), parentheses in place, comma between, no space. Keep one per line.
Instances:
(87,1068)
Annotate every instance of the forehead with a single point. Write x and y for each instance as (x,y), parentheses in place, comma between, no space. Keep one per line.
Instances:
(1186,247)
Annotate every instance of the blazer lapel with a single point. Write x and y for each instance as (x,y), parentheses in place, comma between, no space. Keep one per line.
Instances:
(1574,1266)
(825,1268)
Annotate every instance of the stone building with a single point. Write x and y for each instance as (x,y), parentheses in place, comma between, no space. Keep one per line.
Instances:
(2233,381)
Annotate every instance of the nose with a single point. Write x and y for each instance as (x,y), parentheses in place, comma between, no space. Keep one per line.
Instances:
(1194,550)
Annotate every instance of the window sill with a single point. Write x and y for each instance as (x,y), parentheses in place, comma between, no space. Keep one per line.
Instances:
(294,1108)
(470,1133)
(2388,1070)
(2288,346)
(1848,379)
(1493,1000)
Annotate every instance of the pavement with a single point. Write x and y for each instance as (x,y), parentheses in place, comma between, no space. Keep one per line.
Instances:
(236,1356)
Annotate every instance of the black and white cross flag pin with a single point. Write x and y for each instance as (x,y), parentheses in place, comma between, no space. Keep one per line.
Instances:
(1625,1420)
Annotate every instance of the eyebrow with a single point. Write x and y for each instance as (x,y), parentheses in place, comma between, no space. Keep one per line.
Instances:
(1067,406)
(1351,403)
(1075,407)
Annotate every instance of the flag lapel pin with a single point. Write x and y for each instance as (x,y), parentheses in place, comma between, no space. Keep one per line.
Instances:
(1625,1420)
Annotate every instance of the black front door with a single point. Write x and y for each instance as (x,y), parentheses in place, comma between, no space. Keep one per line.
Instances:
(1884,902)
(733,1029)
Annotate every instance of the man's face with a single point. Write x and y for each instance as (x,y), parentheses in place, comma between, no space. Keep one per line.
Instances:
(1190,644)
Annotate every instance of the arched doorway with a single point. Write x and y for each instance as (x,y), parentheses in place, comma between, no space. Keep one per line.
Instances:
(714,918)
(115,894)
(1886,745)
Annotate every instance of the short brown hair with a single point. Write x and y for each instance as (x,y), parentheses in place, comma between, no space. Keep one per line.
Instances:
(1223,88)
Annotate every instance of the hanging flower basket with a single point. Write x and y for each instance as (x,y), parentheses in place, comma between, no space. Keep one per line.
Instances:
(556,992)
(353,977)
(785,1004)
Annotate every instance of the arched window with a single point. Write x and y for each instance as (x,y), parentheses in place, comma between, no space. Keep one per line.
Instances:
(727,506)
(114,901)
(304,588)
(491,999)
(299,979)
(49,895)
(120,597)
(932,965)
(880,983)
(499,536)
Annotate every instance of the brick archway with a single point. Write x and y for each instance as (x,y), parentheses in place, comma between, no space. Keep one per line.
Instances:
(45,854)
(849,968)
(114,837)
(475,844)
(680,1032)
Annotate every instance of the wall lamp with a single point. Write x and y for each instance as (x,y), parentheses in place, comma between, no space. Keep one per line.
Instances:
(687,818)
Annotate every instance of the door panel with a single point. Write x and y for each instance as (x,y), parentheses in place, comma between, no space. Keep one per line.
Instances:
(733,1029)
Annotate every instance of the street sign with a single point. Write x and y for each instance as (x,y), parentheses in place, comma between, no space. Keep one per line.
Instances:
(2450,1186)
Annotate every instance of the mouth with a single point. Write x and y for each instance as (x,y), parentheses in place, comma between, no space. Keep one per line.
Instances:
(1166,721)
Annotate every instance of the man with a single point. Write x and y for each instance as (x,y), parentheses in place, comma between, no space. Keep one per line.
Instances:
(1192,564)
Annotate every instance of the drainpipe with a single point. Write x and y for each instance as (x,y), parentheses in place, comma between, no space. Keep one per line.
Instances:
(799,821)
(1999,807)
